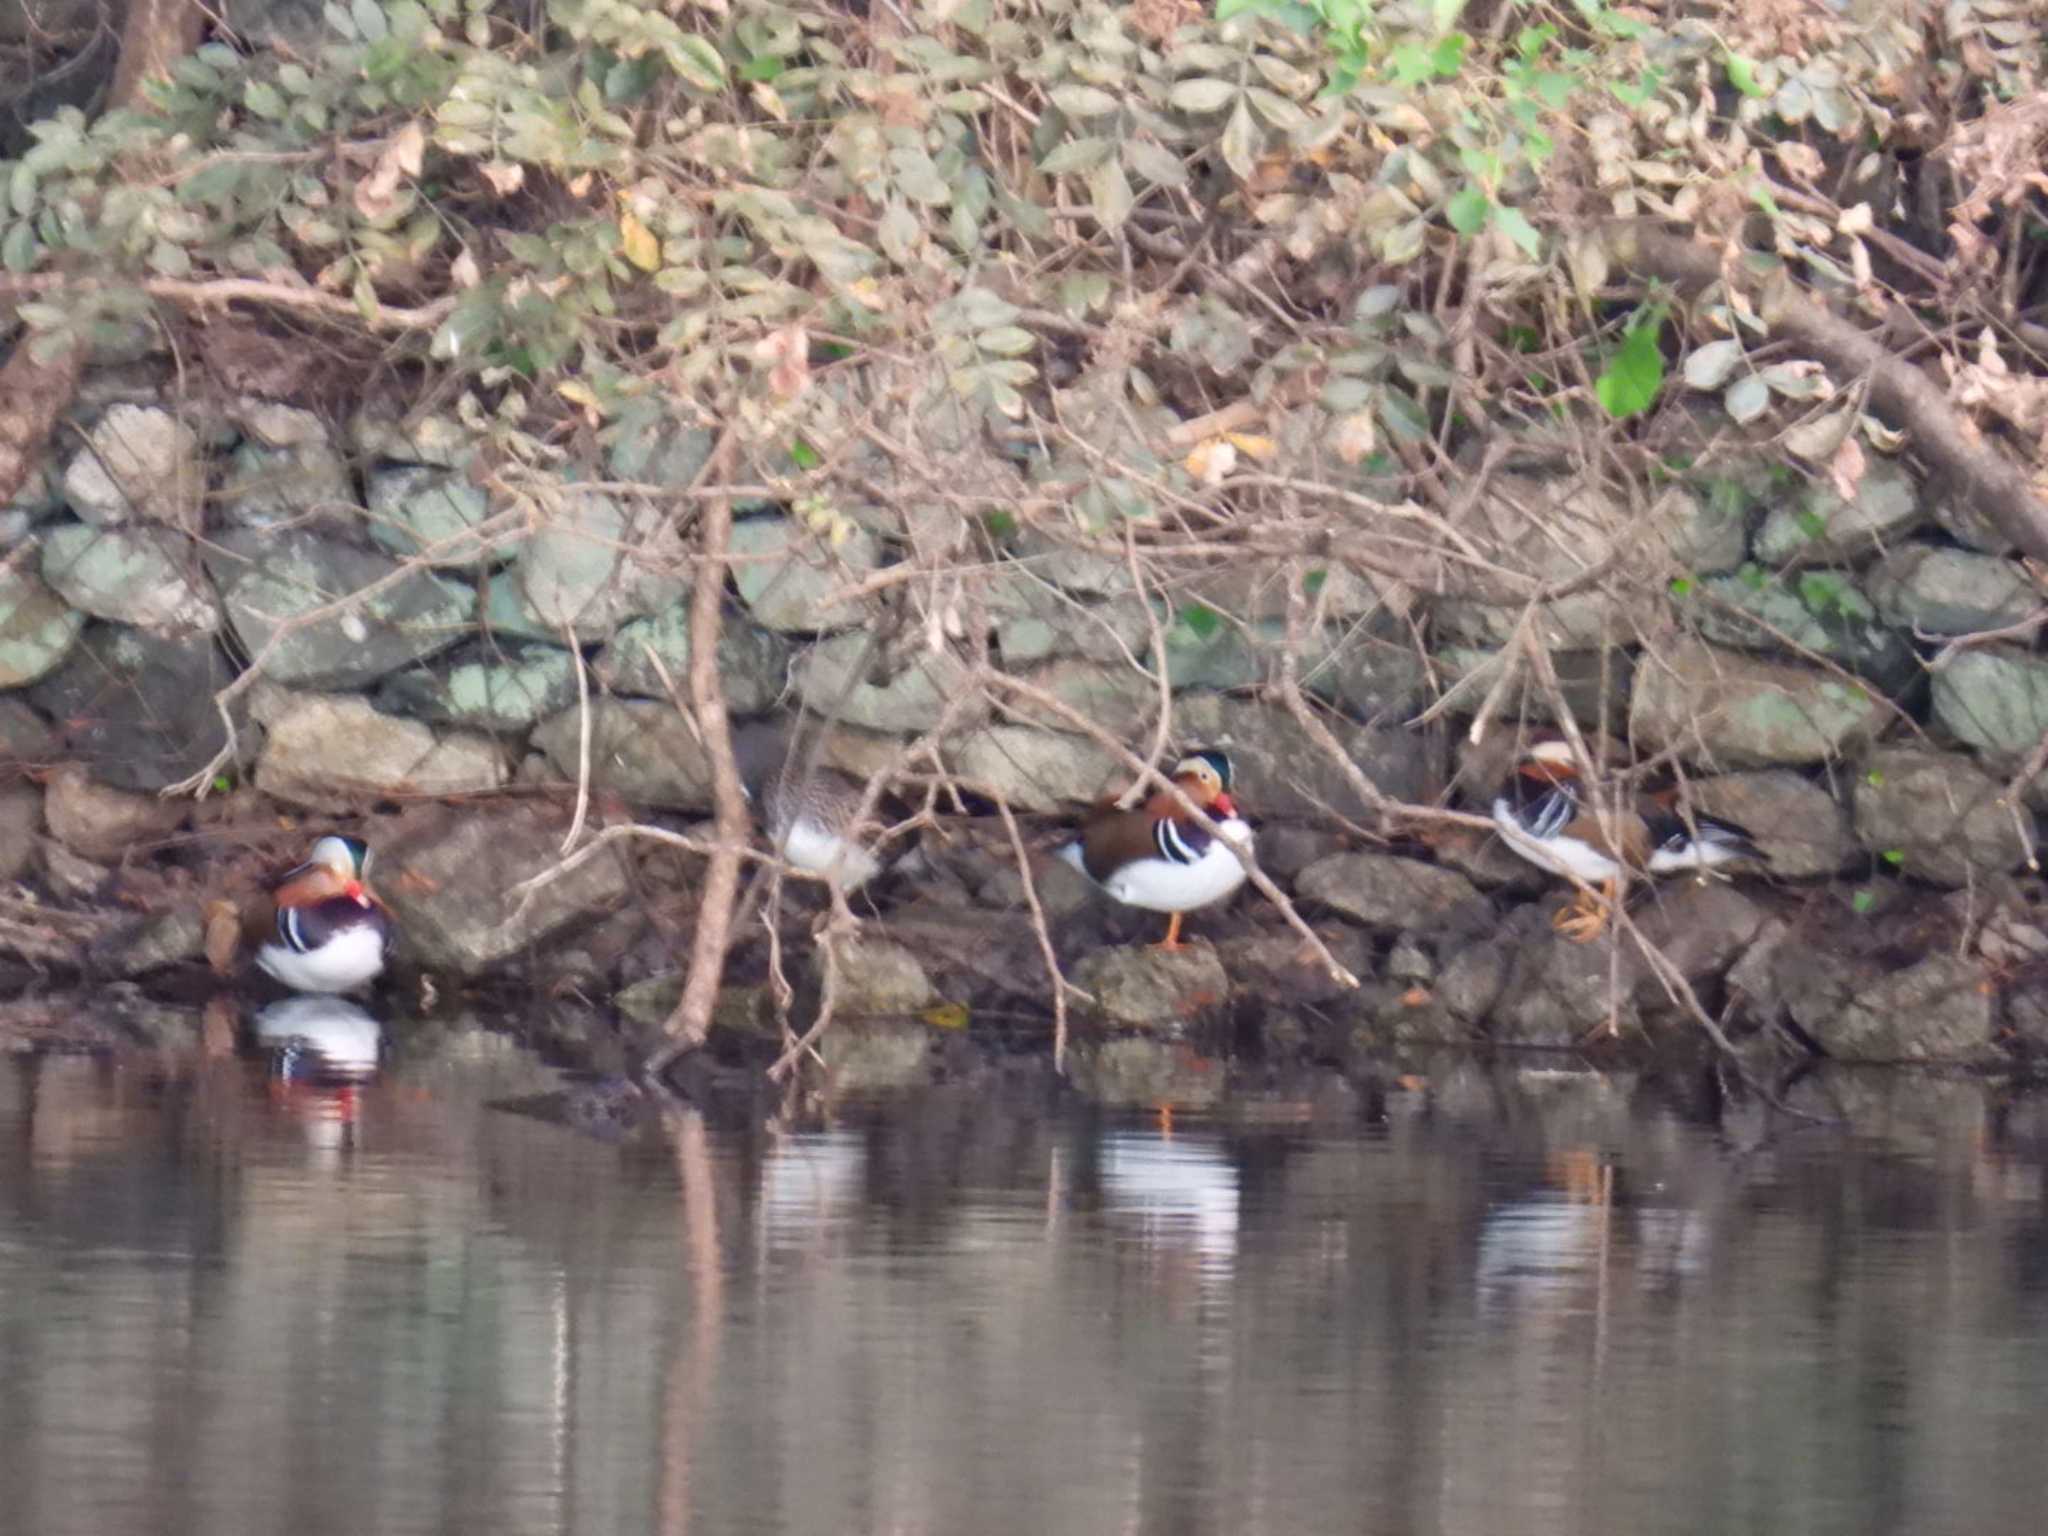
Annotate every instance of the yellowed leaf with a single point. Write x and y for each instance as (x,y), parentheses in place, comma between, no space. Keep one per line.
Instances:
(579,186)
(1355,436)
(638,241)
(1209,462)
(1251,445)
(1854,221)
(505,176)
(1845,469)
(463,269)
(946,1016)
(408,148)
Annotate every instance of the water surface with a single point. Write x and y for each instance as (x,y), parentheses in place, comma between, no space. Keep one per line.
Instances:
(1497,1301)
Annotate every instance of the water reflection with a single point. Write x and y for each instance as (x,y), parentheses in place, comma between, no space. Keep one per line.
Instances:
(1518,1303)
(320,1039)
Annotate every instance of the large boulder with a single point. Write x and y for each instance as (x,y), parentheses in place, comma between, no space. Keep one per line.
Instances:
(1950,591)
(1940,1008)
(753,663)
(1805,830)
(1158,990)
(1036,770)
(640,750)
(37,628)
(417,511)
(450,877)
(1820,528)
(1995,699)
(503,690)
(138,461)
(320,747)
(844,678)
(784,572)
(594,564)
(137,707)
(268,580)
(1936,816)
(102,823)
(1281,772)
(1387,892)
(1741,711)
(1822,613)
(132,575)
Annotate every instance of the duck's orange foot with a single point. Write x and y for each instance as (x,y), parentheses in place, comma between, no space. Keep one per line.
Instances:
(1583,921)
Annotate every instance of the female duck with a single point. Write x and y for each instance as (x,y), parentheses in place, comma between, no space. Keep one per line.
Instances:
(318,930)
(1155,856)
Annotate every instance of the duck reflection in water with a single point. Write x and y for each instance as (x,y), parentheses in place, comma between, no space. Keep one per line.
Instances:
(322,1049)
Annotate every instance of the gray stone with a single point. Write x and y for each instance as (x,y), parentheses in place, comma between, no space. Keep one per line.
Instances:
(138,707)
(1280,771)
(451,881)
(1706,532)
(1821,612)
(784,572)
(1595,685)
(138,461)
(864,1056)
(503,692)
(441,441)
(1553,530)
(70,877)
(593,565)
(1384,891)
(1995,699)
(269,488)
(267,580)
(842,678)
(1033,769)
(1823,529)
(1804,829)
(20,815)
(1271,964)
(1935,815)
(321,747)
(37,630)
(1959,518)
(1160,990)
(1742,711)
(416,510)
(753,663)
(1083,572)
(277,425)
(1114,696)
(24,737)
(877,977)
(1139,1072)
(176,937)
(1036,621)
(743,1010)
(1476,975)
(105,824)
(1950,591)
(503,613)
(132,575)
(1938,1009)
(639,749)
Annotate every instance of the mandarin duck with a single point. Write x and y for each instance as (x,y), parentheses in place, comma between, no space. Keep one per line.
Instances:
(1155,856)
(806,809)
(317,930)
(1543,814)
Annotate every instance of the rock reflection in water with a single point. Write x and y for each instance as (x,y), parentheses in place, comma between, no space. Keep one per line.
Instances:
(1517,1303)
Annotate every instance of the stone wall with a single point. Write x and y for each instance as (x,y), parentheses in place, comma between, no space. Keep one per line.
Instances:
(419,632)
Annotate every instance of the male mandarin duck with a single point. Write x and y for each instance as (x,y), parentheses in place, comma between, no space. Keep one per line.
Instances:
(1156,856)
(317,930)
(1543,815)
(806,809)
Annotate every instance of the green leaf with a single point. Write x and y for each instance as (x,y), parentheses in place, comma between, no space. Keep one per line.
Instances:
(1467,210)
(1006,341)
(370,21)
(1874,778)
(1000,525)
(1862,902)
(804,456)
(1894,857)
(1076,155)
(1515,224)
(18,250)
(1681,586)
(1084,101)
(1742,75)
(1313,581)
(1811,523)
(1109,190)
(1240,143)
(1200,620)
(1155,163)
(1629,384)
(1202,95)
(264,99)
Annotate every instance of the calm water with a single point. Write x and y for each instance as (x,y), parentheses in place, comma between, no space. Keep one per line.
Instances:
(1512,1303)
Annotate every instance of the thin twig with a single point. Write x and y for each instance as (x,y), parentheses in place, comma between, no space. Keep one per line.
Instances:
(582,738)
